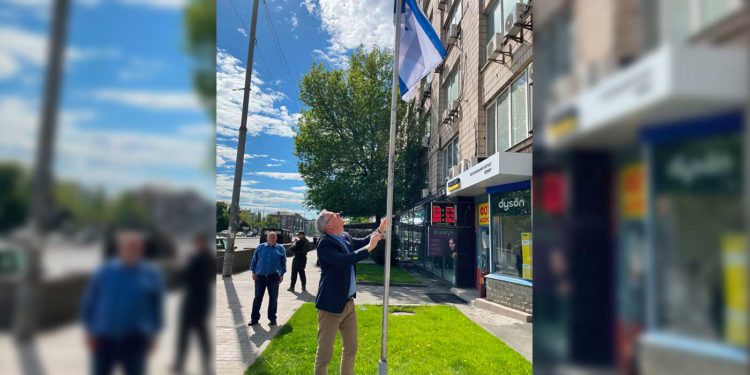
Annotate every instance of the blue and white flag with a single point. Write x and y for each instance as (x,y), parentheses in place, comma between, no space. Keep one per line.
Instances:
(420,49)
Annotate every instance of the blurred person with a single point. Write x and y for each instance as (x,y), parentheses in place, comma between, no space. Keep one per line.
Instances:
(122,308)
(300,249)
(197,279)
(268,267)
(338,288)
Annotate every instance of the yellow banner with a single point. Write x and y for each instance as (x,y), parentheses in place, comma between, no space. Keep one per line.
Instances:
(527,255)
(484,213)
(633,191)
(734,259)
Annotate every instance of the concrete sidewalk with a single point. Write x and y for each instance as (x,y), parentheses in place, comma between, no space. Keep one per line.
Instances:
(238,346)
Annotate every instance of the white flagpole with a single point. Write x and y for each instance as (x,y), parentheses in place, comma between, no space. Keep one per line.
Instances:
(383,364)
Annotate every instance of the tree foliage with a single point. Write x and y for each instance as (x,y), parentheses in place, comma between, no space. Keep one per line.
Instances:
(342,142)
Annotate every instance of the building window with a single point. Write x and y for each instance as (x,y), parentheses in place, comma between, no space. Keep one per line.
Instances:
(511,232)
(491,129)
(455,17)
(513,121)
(450,157)
(683,18)
(451,88)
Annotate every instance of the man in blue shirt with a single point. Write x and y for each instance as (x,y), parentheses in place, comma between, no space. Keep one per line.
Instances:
(122,308)
(337,254)
(268,267)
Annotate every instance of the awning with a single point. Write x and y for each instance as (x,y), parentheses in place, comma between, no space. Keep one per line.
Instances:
(500,168)
(669,84)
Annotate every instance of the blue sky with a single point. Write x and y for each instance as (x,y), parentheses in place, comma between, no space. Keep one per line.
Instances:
(308,31)
(129,115)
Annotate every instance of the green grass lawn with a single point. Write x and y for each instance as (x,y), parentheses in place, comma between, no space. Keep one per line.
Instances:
(374,273)
(435,340)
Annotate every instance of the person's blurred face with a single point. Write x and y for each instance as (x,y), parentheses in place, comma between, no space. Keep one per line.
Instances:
(130,247)
(271,238)
(301,236)
(200,243)
(452,244)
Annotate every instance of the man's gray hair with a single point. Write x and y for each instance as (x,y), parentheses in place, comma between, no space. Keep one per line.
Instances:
(321,222)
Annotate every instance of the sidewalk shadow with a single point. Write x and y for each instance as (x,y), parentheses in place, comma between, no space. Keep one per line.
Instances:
(260,334)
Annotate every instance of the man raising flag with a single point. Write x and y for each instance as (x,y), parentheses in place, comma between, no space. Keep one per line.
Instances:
(419,51)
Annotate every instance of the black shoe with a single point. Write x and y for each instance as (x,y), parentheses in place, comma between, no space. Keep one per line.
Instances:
(291,289)
(252,323)
(273,323)
(304,289)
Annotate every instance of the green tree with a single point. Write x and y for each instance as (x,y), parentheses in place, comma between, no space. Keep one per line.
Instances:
(14,197)
(200,25)
(342,142)
(222,216)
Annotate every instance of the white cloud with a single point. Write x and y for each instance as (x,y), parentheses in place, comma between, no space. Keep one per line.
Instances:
(294,20)
(158,4)
(227,155)
(21,48)
(280,175)
(139,69)
(344,21)
(242,31)
(300,188)
(309,5)
(103,156)
(154,100)
(265,114)
(271,165)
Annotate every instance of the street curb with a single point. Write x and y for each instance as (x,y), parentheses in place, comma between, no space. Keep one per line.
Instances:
(392,284)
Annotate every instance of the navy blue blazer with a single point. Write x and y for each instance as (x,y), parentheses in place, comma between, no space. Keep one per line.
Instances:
(336,270)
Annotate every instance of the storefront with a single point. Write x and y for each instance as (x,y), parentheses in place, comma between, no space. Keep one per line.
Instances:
(671,134)
(500,189)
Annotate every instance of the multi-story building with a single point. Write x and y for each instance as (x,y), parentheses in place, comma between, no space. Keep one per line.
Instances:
(291,221)
(640,182)
(473,227)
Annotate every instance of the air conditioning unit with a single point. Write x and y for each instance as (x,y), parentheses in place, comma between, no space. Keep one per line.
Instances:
(494,46)
(453,34)
(442,4)
(515,19)
(425,193)
(464,165)
(453,106)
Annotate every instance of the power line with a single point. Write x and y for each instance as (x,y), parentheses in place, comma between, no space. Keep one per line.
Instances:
(275,38)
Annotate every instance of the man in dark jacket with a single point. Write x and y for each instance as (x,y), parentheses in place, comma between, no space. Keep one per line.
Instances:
(338,253)
(198,282)
(300,249)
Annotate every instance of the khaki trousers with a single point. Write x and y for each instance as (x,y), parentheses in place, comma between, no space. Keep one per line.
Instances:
(328,324)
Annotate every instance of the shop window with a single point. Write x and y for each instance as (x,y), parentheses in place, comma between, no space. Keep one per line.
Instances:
(511,233)
(699,244)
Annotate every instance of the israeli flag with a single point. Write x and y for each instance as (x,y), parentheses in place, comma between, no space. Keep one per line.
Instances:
(420,49)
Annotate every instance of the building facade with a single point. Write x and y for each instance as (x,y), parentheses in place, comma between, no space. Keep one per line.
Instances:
(644,105)
(291,221)
(473,226)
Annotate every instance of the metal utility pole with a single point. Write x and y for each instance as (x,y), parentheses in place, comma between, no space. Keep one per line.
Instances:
(29,281)
(234,208)
(383,364)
